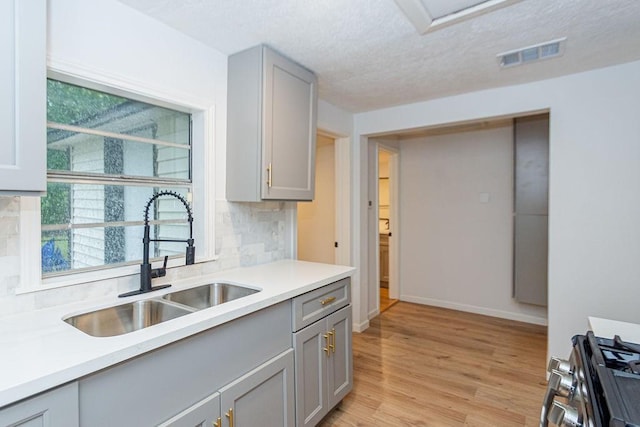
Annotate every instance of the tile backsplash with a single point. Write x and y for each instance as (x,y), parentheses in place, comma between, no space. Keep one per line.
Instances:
(245,234)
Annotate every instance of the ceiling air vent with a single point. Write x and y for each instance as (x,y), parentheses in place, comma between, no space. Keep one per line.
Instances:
(533,53)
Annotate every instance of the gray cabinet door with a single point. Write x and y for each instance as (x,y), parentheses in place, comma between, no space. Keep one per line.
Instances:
(23,168)
(340,371)
(56,408)
(262,397)
(205,413)
(311,345)
(289,106)
(324,367)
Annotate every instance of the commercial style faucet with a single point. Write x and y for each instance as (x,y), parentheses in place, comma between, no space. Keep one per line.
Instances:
(146,272)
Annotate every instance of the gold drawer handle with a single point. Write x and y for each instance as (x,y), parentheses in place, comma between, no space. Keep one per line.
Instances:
(218,423)
(269,169)
(327,300)
(333,337)
(328,343)
(230,416)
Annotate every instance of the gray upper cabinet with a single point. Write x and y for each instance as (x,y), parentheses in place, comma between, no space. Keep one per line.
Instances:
(271,127)
(23,51)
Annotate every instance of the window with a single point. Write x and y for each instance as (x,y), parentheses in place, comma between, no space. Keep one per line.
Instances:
(106,157)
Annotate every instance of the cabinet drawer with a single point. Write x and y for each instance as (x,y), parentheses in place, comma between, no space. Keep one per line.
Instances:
(314,305)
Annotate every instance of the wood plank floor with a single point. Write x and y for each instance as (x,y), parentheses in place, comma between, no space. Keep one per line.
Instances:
(385,301)
(425,366)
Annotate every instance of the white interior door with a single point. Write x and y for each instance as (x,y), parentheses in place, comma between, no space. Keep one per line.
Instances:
(317,219)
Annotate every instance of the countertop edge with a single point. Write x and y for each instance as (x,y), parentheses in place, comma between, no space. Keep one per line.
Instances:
(607,328)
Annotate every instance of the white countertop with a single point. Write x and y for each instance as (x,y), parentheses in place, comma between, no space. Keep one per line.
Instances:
(39,351)
(607,328)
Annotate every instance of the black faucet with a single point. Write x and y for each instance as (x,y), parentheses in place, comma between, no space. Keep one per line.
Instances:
(146,272)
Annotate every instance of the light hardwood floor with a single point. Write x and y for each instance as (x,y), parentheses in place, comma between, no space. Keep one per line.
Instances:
(425,366)
(385,301)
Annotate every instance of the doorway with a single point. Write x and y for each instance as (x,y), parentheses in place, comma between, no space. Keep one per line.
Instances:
(384,227)
(317,219)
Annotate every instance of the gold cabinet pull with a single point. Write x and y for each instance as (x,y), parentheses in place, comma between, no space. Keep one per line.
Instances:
(328,343)
(269,175)
(218,423)
(230,416)
(333,337)
(328,300)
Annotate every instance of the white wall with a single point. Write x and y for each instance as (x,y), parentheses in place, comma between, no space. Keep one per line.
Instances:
(457,249)
(334,120)
(594,198)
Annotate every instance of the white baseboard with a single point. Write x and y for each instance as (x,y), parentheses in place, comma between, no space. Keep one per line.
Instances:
(476,309)
(360,327)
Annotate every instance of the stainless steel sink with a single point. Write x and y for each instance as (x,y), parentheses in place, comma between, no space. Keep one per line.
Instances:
(125,318)
(209,295)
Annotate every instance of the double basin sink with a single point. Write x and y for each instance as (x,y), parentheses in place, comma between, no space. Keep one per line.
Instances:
(129,317)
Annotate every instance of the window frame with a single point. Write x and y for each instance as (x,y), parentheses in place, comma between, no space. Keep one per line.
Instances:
(203,185)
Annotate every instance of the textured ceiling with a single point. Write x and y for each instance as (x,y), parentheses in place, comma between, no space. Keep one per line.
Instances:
(368,56)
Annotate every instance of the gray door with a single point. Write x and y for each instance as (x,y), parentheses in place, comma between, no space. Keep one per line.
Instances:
(531,209)
(340,372)
(311,349)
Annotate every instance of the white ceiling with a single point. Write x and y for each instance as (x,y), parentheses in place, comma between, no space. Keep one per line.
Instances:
(367,55)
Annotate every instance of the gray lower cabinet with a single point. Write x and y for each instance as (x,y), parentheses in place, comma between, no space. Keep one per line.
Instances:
(157,386)
(262,397)
(323,366)
(55,408)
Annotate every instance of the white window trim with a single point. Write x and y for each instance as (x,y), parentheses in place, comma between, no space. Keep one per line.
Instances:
(203,136)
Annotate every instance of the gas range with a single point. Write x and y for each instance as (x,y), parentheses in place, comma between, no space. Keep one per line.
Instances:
(598,386)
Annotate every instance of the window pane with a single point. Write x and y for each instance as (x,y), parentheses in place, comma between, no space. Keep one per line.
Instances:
(92,225)
(73,105)
(106,157)
(81,152)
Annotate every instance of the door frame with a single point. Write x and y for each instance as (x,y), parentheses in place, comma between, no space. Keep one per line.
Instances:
(394,223)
